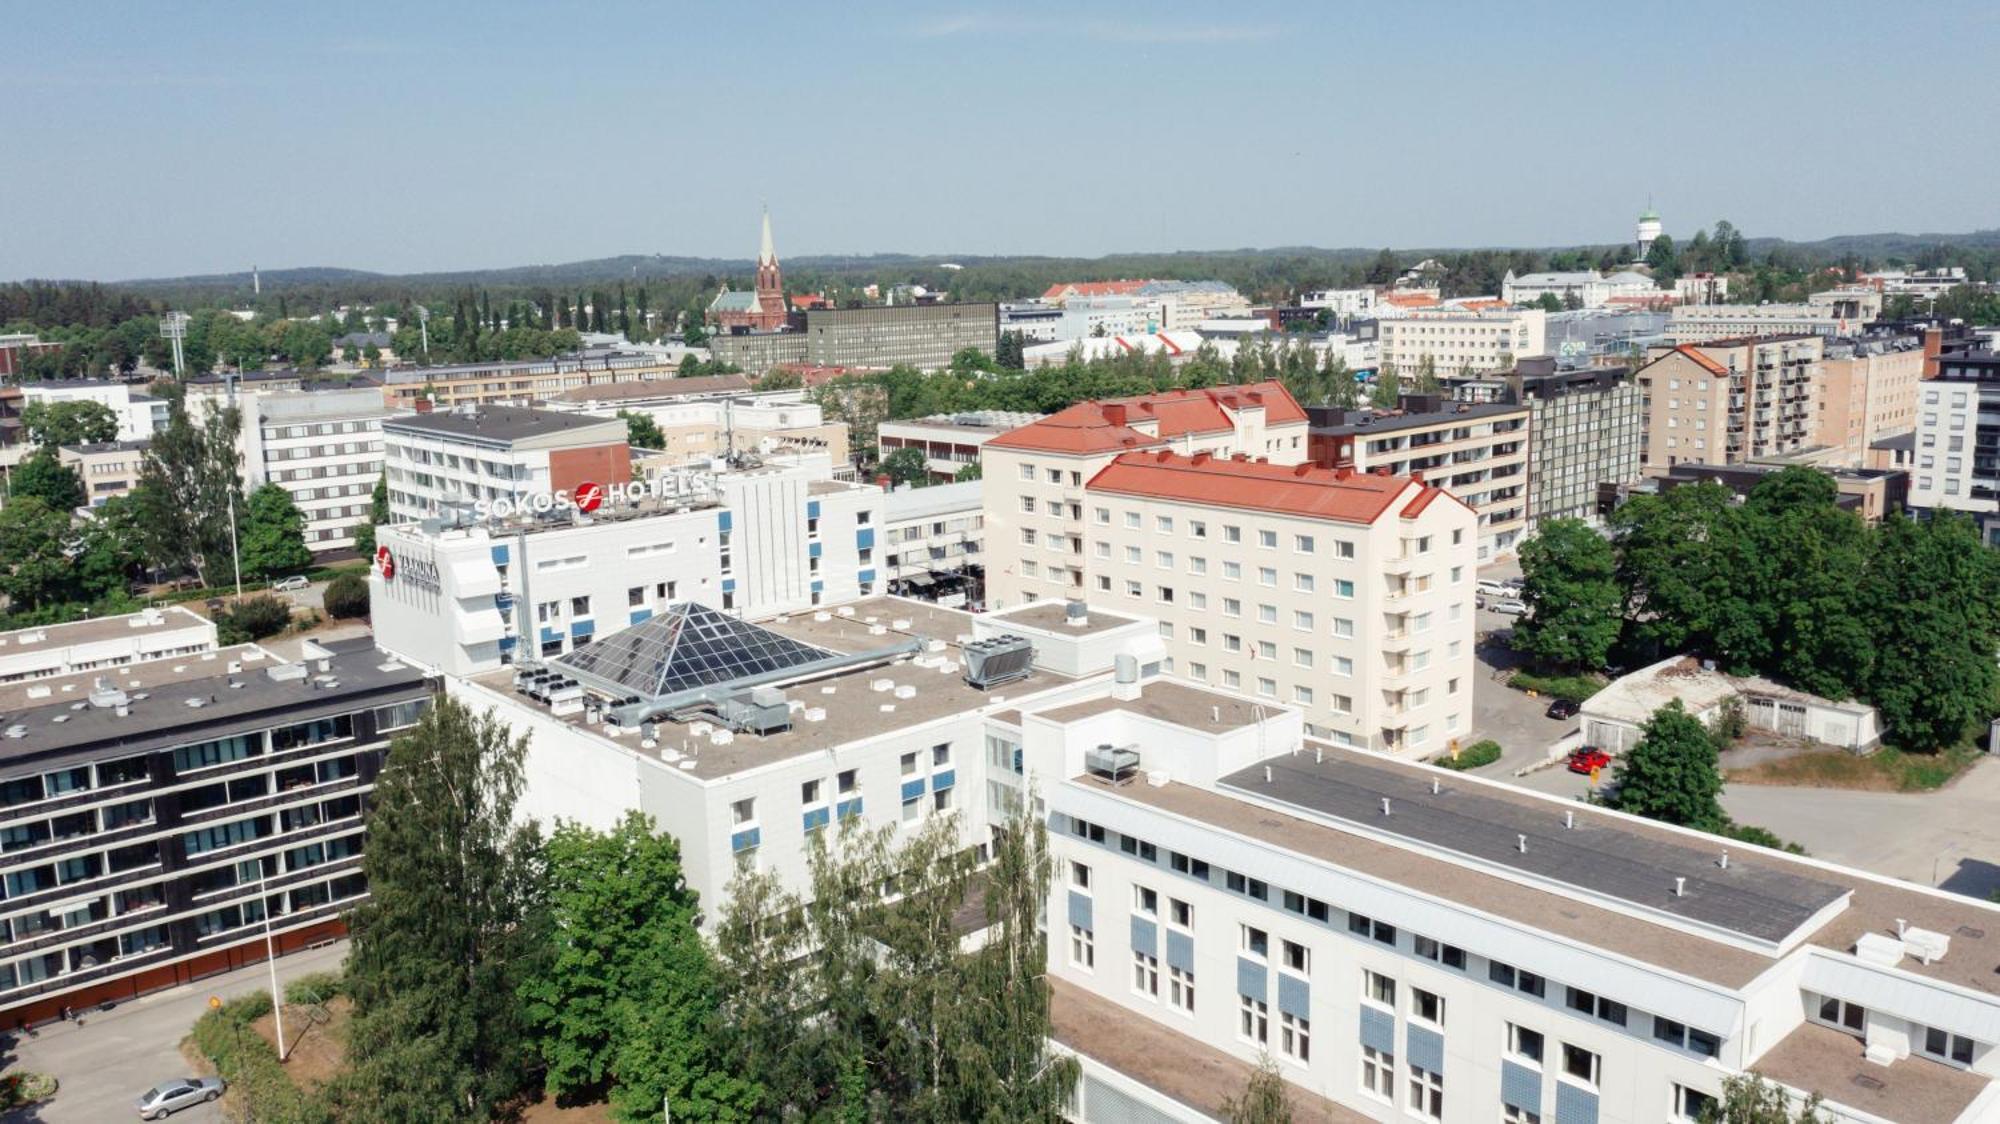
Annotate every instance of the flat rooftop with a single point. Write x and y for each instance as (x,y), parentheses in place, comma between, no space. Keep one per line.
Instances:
(53,637)
(1054,616)
(499,423)
(25,694)
(1167,700)
(1376,421)
(1910,1090)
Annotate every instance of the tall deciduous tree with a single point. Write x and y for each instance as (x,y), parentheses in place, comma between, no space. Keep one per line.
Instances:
(1749,1099)
(1813,556)
(273,539)
(453,926)
(188,487)
(1671,774)
(1929,594)
(641,431)
(1263,1100)
(1672,564)
(1388,389)
(907,466)
(34,554)
(1570,584)
(47,479)
(81,422)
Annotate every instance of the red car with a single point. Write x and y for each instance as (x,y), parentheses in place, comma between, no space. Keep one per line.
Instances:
(1588,759)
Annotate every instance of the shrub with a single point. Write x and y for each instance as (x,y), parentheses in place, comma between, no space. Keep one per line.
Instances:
(1575,688)
(251,1067)
(21,1088)
(1478,754)
(315,987)
(1746,833)
(254,618)
(346,597)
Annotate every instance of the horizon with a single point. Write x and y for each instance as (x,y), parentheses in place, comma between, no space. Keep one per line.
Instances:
(399,142)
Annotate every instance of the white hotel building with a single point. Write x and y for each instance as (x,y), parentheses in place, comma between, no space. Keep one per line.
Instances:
(444,461)
(1458,340)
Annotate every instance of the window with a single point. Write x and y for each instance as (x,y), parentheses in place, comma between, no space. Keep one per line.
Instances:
(1180,989)
(1267,575)
(1366,927)
(1378,1073)
(1297,958)
(1303,544)
(744,810)
(1132,520)
(1378,988)
(811,792)
(1180,914)
(1082,948)
(1690,1104)
(1834,1012)
(1581,1064)
(1524,1044)
(1450,955)
(1609,1010)
(1427,1006)
(1955,1049)
(579,606)
(1294,1037)
(1146,974)
(1515,1114)
(1343,626)
(1145,901)
(1232,570)
(1254,1022)
(848,781)
(1254,941)
(1426,1093)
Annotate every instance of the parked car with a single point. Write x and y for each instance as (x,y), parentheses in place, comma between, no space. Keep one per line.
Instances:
(1562,708)
(1493,586)
(1508,606)
(290,585)
(1588,759)
(172,1096)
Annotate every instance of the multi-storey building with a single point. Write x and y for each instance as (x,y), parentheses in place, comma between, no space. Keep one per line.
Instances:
(526,381)
(1732,400)
(949,442)
(325,448)
(472,457)
(1578,289)
(1585,427)
(106,642)
(931,543)
(1836,312)
(1868,391)
(1457,341)
(159,818)
(16,348)
(107,469)
(697,428)
(1476,451)
(924,336)
(1957,455)
(139,415)
(1345,304)
(1034,321)
(1034,476)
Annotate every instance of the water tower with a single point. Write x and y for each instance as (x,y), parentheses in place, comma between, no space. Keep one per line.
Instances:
(1648,231)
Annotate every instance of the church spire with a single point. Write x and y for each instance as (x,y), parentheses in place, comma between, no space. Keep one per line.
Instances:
(767,253)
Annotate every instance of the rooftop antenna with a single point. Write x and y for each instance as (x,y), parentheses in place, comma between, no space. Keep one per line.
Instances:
(256,282)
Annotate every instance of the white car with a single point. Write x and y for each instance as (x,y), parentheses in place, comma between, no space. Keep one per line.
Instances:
(290,585)
(1508,606)
(1495,588)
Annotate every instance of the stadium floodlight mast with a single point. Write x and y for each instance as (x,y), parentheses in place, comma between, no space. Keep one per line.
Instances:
(173,329)
(424,329)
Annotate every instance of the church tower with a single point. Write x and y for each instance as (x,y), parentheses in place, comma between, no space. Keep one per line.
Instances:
(770,281)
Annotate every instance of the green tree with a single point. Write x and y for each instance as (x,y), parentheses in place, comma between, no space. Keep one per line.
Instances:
(35,554)
(273,539)
(346,597)
(378,514)
(907,466)
(82,422)
(188,487)
(1427,375)
(1011,352)
(453,926)
(1674,558)
(1671,773)
(1569,581)
(966,472)
(1263,1100)
(253,618)
(1929,597)
(1749,1099)
(1802,567)
(1548,302)
(1663,258)
(1387,392)
(641,432)
(41,476)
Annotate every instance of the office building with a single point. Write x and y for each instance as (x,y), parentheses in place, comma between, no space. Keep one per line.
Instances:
(528,381)
(1034,321)
(107,469)
(324,447)
(1868,391)
(160,817)
(476,456)
(1957,455)
(139,415)
(950,442)
(1478,452)
(1836,312)
(924,336)
(16,348)
(107,642)
(700,426)
(1579,289)
(1731,400)
(1344,304)
(1585,428)
(932,543)
(1457,341)
(1034,476)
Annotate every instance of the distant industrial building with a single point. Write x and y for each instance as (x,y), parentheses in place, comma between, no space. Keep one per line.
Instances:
(925,336)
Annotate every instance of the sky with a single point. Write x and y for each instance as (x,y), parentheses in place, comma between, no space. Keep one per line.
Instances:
(150,140)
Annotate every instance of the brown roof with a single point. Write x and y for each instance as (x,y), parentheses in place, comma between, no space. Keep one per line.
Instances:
(656,388)
(1108,425)
(1822,1060)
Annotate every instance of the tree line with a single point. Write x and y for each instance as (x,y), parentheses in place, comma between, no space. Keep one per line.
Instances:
(1786,584)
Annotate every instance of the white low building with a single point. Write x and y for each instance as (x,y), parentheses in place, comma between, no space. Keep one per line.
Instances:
(1586,288)
(79,646)
(932,542)
(1613,718)
(139,415)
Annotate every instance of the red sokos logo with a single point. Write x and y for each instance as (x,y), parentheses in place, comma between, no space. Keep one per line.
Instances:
(385,563)
(589,496)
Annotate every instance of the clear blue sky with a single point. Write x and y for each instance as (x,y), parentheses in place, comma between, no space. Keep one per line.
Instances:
(150,139)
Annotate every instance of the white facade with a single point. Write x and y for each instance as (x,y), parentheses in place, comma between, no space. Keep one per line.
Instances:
(1956,427)
(325,448)
(1580,289)
(1347,304)
(433,468)
(79,646)
(931,536)
(1457,341)
(949,442)
(139,415)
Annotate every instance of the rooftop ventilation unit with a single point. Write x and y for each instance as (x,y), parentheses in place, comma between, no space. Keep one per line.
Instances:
(998,660)
(760,710)
(286,672)
(1118,766)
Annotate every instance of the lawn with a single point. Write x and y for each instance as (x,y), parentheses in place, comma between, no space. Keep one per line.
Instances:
(1886,770)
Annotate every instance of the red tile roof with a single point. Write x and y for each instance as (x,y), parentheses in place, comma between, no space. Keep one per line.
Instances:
(1063,290)
(1307,491)
(1109,425)
(1706,363)
(1410,300)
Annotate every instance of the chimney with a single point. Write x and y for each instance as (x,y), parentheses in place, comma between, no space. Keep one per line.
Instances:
(1680,887)
(1385,805)
(1417,474)
(1343,474)
(1202,457)
(1115,413)
(1302,471)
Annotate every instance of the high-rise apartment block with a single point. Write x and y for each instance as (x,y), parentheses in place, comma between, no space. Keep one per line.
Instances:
(1731,400)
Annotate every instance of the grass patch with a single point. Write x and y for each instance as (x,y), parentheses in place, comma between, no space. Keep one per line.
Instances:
(1478,754)
(1886,770)
(1575,688)
(250,1065)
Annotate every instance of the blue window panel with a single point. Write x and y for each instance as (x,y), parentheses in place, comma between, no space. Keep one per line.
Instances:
(913,789)
(1378,1029)
(818,586)
(815,819)
(729,585)
(944,780)
(1180,951)
(1145,936)
(641,615)
(1294,996)
(866,576)
(1426,1048)
(812,509)
(1575,1105)
(864,538)
(813,549)
(848,809)
(507,642)
(1251,978)
(744,840)
(1520,1087)
(582,628)
(500,555)
(1017,760)
(503,600)
(723,519)
(549,634)
(1079,910)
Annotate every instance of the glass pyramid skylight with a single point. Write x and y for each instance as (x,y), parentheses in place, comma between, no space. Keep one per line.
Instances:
(688,646)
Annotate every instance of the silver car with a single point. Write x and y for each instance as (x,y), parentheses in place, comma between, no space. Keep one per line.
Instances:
(172,1096)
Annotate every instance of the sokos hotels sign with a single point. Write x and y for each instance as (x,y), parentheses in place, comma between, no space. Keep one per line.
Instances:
(590,495)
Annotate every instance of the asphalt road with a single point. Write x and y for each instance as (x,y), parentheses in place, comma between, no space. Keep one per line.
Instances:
(104,1064)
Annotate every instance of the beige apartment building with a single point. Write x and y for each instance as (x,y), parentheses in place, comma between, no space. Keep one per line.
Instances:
(1730,401)
(1347,595)
(1458,341)
(1868,391)
(1033,477)
(109,469)
(1476,451)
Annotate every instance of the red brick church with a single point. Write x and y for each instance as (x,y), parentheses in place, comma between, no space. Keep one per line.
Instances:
(761,310)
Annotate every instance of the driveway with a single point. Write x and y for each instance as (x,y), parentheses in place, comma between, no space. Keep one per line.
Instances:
(1510,717)
(105,1063)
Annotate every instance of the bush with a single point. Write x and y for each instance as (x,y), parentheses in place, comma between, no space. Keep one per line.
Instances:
(21,1088)
(1575,688)
(251,1067)
(346,597)
(315,987)
(1478,754)
(1745,833)
(254,618)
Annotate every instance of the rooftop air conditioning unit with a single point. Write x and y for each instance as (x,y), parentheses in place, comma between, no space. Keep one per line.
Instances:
(1118,766)
(997,660)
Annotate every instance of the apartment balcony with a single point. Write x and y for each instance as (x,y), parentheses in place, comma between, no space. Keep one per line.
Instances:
(1401,564)
(1401,640)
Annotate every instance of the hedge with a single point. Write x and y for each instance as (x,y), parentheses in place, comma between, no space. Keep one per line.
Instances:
(251,1067)
(1478,754)
(1574,688)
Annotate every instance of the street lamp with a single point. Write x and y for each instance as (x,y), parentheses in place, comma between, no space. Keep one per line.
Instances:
(271,957)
